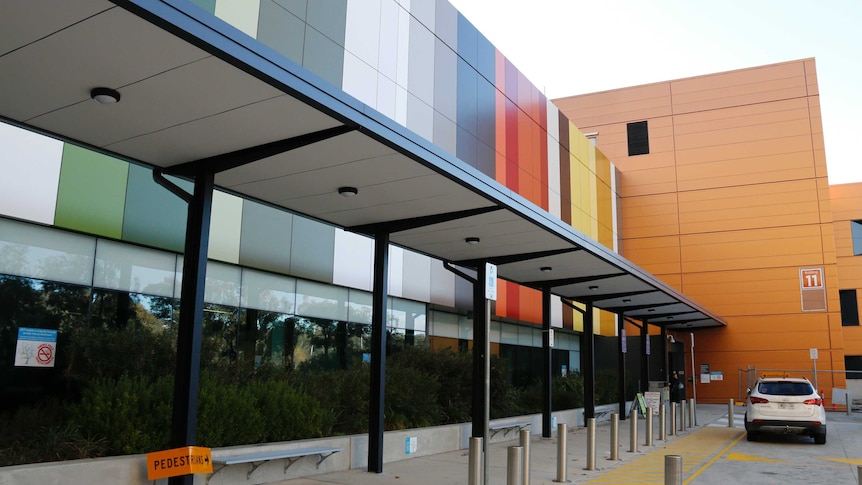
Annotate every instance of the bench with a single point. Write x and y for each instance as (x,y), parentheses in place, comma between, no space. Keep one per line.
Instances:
(255,460)
(505,428)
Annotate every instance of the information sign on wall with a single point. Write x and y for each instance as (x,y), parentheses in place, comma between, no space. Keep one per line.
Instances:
(812,289)
(36,347)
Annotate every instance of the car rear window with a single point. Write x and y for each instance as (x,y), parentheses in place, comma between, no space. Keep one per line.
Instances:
(785,388)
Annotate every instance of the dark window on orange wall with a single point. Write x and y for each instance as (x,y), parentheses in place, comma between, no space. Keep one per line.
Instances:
(856,234)
(853,365)
(849,308)
(638,135)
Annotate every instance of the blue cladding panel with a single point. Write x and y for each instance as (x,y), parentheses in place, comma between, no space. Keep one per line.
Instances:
(467,97)
(323,57)
(312,250)
(296,7)
(487,58)
(328,17)
(467,149)
(265,237)
(154,216)
(281,30)
(487,112)
(468,38)
(487,160)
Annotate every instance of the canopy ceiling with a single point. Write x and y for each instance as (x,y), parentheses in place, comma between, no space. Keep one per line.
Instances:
(194,89)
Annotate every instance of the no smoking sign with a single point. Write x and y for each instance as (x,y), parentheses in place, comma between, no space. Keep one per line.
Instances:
(36,347)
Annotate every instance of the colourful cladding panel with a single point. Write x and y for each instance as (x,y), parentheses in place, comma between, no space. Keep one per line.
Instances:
(92,192)
(281,29)
(154,216)
(265,239)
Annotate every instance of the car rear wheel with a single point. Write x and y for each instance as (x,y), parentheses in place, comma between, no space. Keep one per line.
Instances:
(820,439)
(752,436)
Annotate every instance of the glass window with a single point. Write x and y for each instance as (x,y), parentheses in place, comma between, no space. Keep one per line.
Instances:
(849,308)
(321,300)
(135,269)
(47,254)
(638,138)
(856,234)
(267,291)
(444,324)
(359,307)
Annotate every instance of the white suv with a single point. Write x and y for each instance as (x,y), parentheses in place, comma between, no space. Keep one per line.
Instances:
(785,405)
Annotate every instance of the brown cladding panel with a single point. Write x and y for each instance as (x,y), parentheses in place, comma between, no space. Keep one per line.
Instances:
(749,207)
(618,106)
(657,255)
(735,88)
(751,249)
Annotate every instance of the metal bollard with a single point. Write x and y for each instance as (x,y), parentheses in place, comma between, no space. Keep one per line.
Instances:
(859,474)
(673,419)
(672,470)
(648,437)
(662,422)
(730,413)
(615,436)
(682,415)
(633,432)
(848,399)
(513,470)
(475,472)
(591,444)
(525,464)
(692,414)
(561,453)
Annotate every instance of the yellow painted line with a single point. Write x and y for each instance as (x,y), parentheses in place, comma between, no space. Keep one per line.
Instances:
(695,448)
(741,457)
(714,458)
(851,461)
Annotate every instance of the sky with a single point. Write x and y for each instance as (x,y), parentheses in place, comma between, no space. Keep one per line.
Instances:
(632,42)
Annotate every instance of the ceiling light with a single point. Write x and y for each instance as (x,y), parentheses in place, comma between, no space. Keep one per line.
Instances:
(105,95)
(545,269)
(651,310)
(347,191)
(594,288)
(670,318)
(472,241)
(627,300)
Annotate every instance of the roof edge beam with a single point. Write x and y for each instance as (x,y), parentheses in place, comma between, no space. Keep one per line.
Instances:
(517,258)
(573,281)
(423,221)
(238,158)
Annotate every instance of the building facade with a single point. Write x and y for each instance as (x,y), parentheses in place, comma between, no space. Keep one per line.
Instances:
(725,196)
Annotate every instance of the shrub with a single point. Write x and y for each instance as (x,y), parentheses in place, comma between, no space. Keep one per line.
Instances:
(41,433)
(288,413)
(132,414)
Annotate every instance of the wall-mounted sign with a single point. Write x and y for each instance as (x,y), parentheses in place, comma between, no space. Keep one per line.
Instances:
(179,461)
(813,289)
(491,281)
(37,347)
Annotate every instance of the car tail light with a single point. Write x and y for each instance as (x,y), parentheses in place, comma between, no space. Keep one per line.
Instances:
(815,402)
(759,400)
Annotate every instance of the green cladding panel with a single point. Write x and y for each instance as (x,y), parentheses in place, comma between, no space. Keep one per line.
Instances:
(154,216)
(91,193)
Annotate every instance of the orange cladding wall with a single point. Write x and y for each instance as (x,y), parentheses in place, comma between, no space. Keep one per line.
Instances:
(731,201)
(847,207)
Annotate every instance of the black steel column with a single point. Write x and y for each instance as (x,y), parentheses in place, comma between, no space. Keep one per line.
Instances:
(378,352)
(480,373)
(644,384)
(590,365)
(547,363)
(189,333)
(621,364)
(664,372)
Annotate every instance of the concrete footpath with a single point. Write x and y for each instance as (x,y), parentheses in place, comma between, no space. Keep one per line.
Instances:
(711,452)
